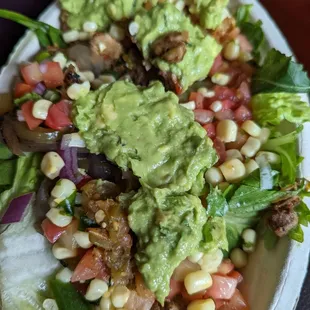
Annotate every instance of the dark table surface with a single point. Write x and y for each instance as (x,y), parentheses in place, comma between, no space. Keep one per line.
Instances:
(291,16)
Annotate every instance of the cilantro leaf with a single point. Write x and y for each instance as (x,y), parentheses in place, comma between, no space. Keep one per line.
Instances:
(46,34)
(27,97)
(217,204)
(280,73)
(252,30)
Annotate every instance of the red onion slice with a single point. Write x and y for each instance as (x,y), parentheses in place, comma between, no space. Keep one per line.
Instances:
(40,89)
(70,170)
(16,210)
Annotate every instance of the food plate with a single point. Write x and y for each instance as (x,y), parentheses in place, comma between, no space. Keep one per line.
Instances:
(273,279)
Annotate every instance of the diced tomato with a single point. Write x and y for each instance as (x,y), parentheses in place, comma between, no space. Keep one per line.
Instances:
(51,231)
(225,267)
(90,266)
(210,129)
(224,114)
(242,137)
(58,115)
(223,287)
(220,149)
(222,92)
(198,98)
(31,121)
(242,114)
(184,269)
(237,302)
(244,92)
(141,288)
(216,65)
(22,89)
(188,297)
(203,116)
(236,275)
(219,303)
(176,288)
(136,301)
(80,287)
(32,74)
(244,43)
(228,105)
(52,74)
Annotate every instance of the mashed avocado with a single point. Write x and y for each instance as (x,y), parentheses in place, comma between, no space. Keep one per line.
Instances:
(102,12)
(210,12)
(80,11)
(145,129)
(169,228)
(201,49)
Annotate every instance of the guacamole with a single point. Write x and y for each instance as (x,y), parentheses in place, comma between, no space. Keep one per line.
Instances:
(214,235)
(169,228)
(146,130)
(102,12)
(210,12)
(201,49)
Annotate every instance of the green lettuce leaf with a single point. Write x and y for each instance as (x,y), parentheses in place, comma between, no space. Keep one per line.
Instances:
(25,181)
(280,73)
(67,297)
(272,109)
(286,147)
(214,235)
(252,30)
(216,201)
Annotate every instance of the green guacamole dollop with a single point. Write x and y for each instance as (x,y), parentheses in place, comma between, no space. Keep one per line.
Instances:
(210,12)
(169,228)
(200,51)
(102,12)
(146,130)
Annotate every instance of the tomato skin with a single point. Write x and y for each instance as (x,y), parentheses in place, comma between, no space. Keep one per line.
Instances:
(210,129)
(203,116)
(220,149)
(176,288)
(58,115)
(237,302)
(223,287)
(22,89)
(31,74)
(236,275)
(226,267)
(225,114)
(196,296)
(51,231)
(216,65)
(31,121)
(242,137)
(198,98)
(52,74)
(90,266)
(228,105)
(242,114)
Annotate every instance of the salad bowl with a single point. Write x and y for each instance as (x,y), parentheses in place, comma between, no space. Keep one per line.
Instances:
(273,278)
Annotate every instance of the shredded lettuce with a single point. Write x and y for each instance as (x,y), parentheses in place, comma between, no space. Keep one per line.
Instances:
(303,220)
(272,109)
(286,147)
(25,180)
(280,73)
